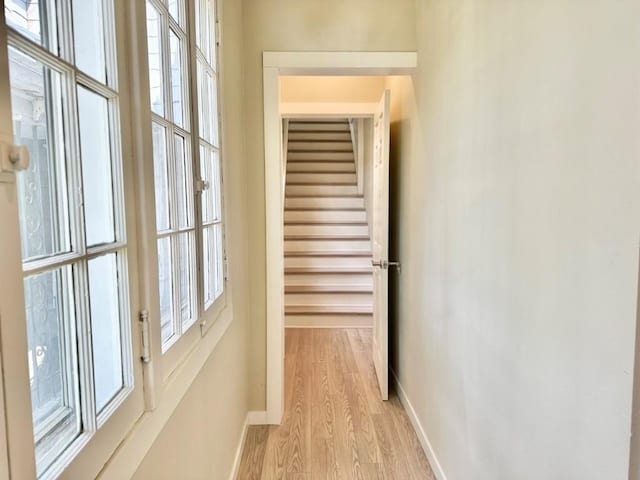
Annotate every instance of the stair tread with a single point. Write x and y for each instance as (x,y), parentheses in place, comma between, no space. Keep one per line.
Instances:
(328,289)
(320,172)
(316,236)
(329,309)
(328,269)
(327,253)
(324,209)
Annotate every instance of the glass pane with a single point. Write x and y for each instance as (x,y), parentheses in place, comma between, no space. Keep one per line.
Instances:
(212,32)
(184,183)
(175,9)
(202,100)
(36,101)
(52,360)
(105,328)
(93,111)
(166,288)
(212,263)
(212,105)
(35,19)
(187,278)
(161,179)
(154,46)
(206,29)
(210,171)
(207,105)
(176,78)
(88,31)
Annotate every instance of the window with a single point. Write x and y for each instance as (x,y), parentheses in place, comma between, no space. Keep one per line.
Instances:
(186,157)
(209,144)
(65,109)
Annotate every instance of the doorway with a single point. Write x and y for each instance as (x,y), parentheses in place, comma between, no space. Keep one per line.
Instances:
(275,65)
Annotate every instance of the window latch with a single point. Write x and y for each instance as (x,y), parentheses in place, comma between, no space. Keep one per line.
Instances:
(202,185)
(145,337)
(13,158)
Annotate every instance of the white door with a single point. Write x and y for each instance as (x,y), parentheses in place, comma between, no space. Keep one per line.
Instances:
(380,243)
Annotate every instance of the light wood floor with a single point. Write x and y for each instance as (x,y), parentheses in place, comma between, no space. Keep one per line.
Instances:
(335,425)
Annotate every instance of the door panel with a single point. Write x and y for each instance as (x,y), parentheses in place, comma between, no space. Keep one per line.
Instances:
(380,244)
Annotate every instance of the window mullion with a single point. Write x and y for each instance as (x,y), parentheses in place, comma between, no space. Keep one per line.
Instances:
(65,31)
(81,315)
(195,148)
(166,65)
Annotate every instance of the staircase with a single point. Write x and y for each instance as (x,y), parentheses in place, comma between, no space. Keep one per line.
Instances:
(328,279)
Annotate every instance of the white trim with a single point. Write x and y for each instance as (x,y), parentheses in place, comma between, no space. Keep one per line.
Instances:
(334,109)
(360,157)
(275,245)
(130,453)
(341,63)
(329,321)
(417,426)
(238,456)
(298,63)
(258,417)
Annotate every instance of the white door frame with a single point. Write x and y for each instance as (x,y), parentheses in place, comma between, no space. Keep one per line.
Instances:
(274,65)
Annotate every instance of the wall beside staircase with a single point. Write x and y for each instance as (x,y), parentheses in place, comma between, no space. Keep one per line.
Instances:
(518,207)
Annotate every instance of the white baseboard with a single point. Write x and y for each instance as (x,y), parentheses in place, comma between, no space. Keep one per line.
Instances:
(417,426)
(258,417)
(328,321)
(238,456)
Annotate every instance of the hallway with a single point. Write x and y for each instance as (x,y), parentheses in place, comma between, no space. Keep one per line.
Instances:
(335,425)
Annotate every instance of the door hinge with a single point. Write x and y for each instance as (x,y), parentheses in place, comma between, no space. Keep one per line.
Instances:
(145,337)
(225,271)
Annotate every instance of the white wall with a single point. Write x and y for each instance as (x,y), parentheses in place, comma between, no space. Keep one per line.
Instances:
(516,175)
(330,89)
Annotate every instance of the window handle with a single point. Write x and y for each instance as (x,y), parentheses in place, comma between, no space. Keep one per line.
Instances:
(202,185)
(13,158)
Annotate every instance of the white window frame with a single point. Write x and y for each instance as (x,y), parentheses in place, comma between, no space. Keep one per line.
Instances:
(101,433)
(121,440)
(174,351)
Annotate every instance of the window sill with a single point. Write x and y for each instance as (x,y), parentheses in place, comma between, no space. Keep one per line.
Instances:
(130,453)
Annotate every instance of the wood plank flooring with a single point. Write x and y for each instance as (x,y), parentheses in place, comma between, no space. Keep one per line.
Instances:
(335,425)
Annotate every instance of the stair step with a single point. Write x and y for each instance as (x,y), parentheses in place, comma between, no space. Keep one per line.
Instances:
(316,156)
(324,202)
(332,263)
(320,298)
(328,253)
(325,216)
(328,289)
(295,146)
(296,126)
(327,231)
(329,309)
(306,178)
(347,280)
(321,190)
(315,236)
(326,270)
(340,136)
(321,167)
(292,247)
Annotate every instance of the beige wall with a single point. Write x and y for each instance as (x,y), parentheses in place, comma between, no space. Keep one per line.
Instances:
(294,25)
(516,175)
(200,439)
(328,89)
